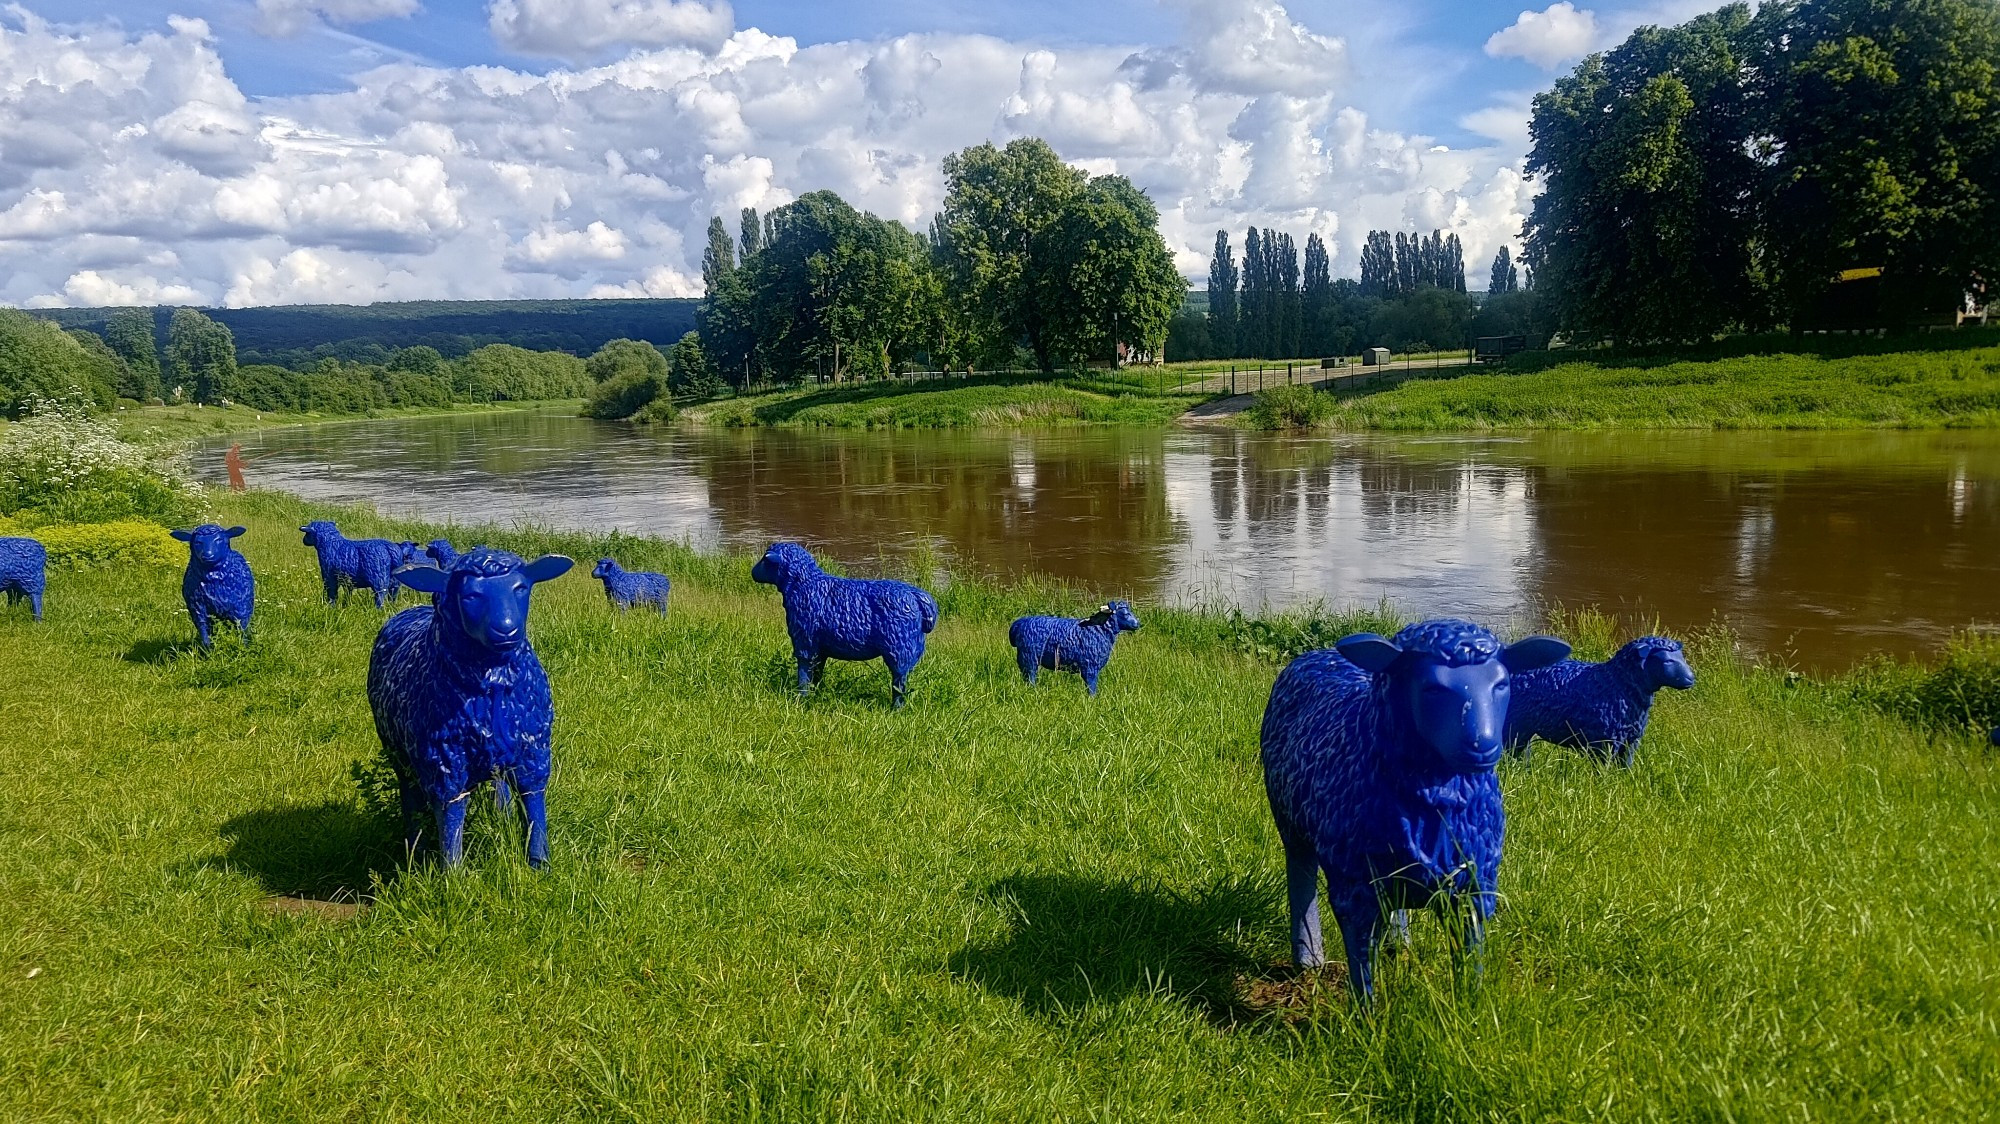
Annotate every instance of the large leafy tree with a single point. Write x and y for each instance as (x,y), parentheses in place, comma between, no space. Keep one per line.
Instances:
(1885,134)
(838,292)
(1645,227)
(129,332)
(1104,278)
(724,315)
(998,201)
(201,355)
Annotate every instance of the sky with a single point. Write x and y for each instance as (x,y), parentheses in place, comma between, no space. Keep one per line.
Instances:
(251,152)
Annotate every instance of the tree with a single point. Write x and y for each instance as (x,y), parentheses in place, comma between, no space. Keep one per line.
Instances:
(997,202)
(1107,285)
(1316,300)
(1222,298)
(129,332)
(838,292)
(632,358)
(689,374)
(724,315)
(1645,226)
(1504,278)
(201,355)
(1885,148)
(1285,321)
(1378,265)
(1253,321)
(38,359)
(750,234)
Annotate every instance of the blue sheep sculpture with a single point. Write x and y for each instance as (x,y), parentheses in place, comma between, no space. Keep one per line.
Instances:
(1994,737)
(24,572)
(847,618)
(217,585)
(441,552)
(460,698)
(1598,708)
(629,589)
(346,563)
(1378,761)
(1066,644)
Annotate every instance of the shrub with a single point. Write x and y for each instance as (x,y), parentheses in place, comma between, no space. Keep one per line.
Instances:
(59,465)
(659,411)
(1290,407)
(626,357)
(124,542)
(1962,691)
(625,394)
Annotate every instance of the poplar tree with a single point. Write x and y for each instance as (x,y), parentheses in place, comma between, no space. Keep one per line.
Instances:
(1222,297)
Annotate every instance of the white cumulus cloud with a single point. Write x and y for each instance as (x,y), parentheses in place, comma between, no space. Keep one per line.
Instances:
(1547,38)
(580,30)
(132,167)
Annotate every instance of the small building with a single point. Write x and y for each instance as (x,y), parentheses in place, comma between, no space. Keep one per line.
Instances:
(1375,357)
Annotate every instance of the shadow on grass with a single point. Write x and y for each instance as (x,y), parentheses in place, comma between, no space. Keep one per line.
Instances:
(879,391)
(158,650)
(1073,941)
(324,852)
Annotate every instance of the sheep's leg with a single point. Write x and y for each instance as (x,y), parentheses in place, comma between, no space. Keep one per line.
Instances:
(451,830)
(818,670)
(200,616)
(538,828)
(805,673)
(1360,915)
(1302,893)
(332,586)
(503,795)
(413,810)
(899,684)
(1090,683)
(1625,752)
(35,603)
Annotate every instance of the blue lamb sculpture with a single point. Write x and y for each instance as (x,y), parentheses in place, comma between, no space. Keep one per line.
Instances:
(442,552)
(1598,708)
(217,585)
(1378,761)
(460,698)
(847,618)
(628,589)
(24,572)
(1068,644)
(346,563)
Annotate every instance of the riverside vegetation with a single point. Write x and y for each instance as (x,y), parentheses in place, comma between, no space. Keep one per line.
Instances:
(1002,903)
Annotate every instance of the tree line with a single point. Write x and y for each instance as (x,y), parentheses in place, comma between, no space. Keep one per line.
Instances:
(1030,262)
(198,363)
(1411,295)
(1744,171)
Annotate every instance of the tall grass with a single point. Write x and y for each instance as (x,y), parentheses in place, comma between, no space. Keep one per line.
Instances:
(1003,903)
(1908,389)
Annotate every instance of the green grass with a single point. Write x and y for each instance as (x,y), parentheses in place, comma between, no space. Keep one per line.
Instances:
(1001,904)
(158,424)
(1917,389)
(1105,398)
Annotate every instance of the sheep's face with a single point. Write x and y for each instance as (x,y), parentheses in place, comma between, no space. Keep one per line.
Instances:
(406,551)
(441,550)
(319,531)
(1449,681)
(783,563)
(485,595)
(208,543)
(1667,666)
(602,569)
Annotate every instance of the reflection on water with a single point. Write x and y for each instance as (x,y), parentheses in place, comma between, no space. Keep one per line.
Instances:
(1828,546)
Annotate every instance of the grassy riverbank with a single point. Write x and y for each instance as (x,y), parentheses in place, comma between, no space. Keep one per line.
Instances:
(1102,399)
(1003,903)
(1914,389)
(157,424)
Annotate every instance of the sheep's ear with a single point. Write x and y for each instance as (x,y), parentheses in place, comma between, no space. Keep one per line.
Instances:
(423,579)
(548,566)
(1533,653)
(1368,651)
(184,536)
(235,531)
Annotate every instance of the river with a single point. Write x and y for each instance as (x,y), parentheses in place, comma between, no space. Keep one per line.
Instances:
(1817,548)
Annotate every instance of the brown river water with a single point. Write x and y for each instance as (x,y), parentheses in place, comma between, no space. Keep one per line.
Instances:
(1817,548)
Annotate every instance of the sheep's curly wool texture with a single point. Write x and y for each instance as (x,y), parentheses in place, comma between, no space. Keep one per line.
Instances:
(1598,708)
(346,563)
(1357,792)
(628,589)
(452,709)
(1067,644)
(441,552)
(217,585)
(24,569)
(847,618)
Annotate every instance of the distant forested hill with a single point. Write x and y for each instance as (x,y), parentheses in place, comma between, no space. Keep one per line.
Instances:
(297,335)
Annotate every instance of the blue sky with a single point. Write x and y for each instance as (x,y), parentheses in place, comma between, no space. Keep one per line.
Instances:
(261,151)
